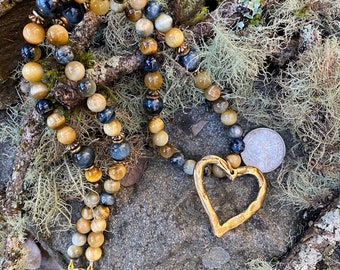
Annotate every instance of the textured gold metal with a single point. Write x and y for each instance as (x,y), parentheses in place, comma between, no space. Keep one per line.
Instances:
(218,229)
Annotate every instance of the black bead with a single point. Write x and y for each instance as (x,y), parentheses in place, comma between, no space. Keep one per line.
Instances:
(73,12)
(106,116)
(44,107)
(152,10)
(107,199)
(177,160)
(153,106)
(150,64)
(29,52)
(237,145)
(48,8)
(84,158)
(190,61)
(119,151)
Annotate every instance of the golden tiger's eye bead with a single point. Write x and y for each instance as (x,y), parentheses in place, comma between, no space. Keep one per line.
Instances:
(98,225)
(167,150)
(117,172)
(87,213)
(91,199)
(39,90)
(100,7)
(83,226)
(156,125)
(101,212)
(212,93)
(96,102)
(161,138)
(144,27)
(174,37)
(32,72)
(57,35)
(95,239)
(111,186)
(229,117)
(113,128)
(33,33)
(66,135)
(163,23)
(55,120)
(132,14)
(148,46)
(220,105)
(75,71)
(74,252)
(218,172)
(138,4)
(93,254)
(153,80)
(234,160)
(93,174)
(78,239)
(202,80)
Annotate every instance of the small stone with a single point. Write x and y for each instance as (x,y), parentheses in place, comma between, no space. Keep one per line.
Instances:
(33,258)
(215,258)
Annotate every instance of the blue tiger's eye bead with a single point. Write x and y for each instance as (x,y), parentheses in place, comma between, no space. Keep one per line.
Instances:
(106,116)
(152,10)
(119,151)
(48,8)
(150,64)
(177,160)
(190,61)
(44,107)
(237,145)
(235,131)
(86,87)
(84,158)
(64,54)
(107,199)
(30,52)
(73,12)
(153,106)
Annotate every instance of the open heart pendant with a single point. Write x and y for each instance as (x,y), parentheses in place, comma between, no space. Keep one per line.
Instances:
(218,229)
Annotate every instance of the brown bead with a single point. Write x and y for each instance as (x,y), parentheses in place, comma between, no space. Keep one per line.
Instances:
(202,80)
(91,199)
(57,35)
(74,71)
(95,239)
(100,7)
(33,33)
(153,80)
(83,225)
(167,150)
(174,38)
(66,135)
(111,186)
(87,213)
(218,172)
(144,27)
(148,46)
(98,225)
(132,14)
(74,252)
(220,105)
(55,120)
(161,138)
(234,160)
(39,90)
(93,174)
(101,212)
(117,172)
(32,72)
(156,125)
(138,4)
(96,102)
(93,254)
(212,93)
(113,128)
(229,117)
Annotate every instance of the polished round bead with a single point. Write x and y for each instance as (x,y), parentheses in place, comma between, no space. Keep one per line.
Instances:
(75,71)
(212,93)
(113,128)
(167,150)
(66,135)
(57,35)
(39,90)
(217,171)
(101,212)
(163,23)
(153,106)
(117,171)
(87,213)
(83,226)
(100,7)
(189,166)
(32,72)
(98,225)
(107,199)
(30,52)
(237,145)
(138,4)
(150,64)
(220,105)
(152,10)
(73,12)
(106,116)
(48,8)
(190,61)
(155,125)
(64,54)
(202,80)
(229,117)
(94,174)
(234,160)
(84,158)
(161,138)
(153,80)
(55,120)
(74,252)
(44,107)
(93,254)
(177,159)
(144,27)
(86,87)
(117,7)
(111,186)
(119,151)
(148,46)
(235,131)
(96,102)
(95,239)
(174,38)
(132,14)
(91,199)
(78,239)
(34,33)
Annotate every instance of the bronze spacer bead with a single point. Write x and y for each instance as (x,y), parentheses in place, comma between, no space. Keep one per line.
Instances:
(183,49)
(154,94)
(61,21)
(36,18)
(74,147)
(118,139)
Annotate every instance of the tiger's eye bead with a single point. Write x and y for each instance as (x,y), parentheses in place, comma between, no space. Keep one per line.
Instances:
(91,199)
(107,199)
(113,128)
(156,125)
(167,150)
(152,10)
(119,151)
(117,171)
(86,87)
(174,37)
(30,52)
(74,252)
(84,158)
(57,35)
(150,64)
(93,174)
(106,116)
(64,54)
(78,239)
(39,90)
(220,105)
(234,160)
(218,172)
(189,166)
(100,7)
(93,254)
(55,120)
(111,186)
(177,159)
(153,106)
(73,12)
(212,93)
(75,71)
(96,102)
(237,145)
(138,4)
(95,239)
(161,138)
(190,61)
(148,46)
(117,7)
(229,117)
(83,225)
(163,23)
(87,213)
(101,212)
(48,8)
(153,80)
(44,107)
(66,135)
(98,225)
(32,72)
(235,131)
(132,14)
(144,27)
(202,80)
(34,33)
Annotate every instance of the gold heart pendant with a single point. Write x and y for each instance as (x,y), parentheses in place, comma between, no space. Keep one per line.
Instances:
(218,229)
